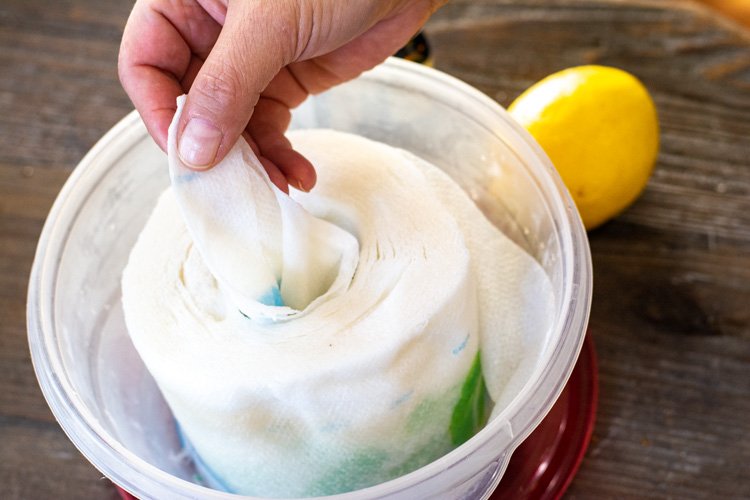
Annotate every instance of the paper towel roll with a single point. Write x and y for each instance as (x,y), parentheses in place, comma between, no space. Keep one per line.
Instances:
(385,375)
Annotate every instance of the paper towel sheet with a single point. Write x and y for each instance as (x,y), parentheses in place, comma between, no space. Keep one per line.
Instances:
(268,253)
(384,374)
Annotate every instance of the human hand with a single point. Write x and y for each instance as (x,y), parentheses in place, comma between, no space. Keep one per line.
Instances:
(245,64)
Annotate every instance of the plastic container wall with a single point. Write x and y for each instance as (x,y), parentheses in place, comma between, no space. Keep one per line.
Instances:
(107,402)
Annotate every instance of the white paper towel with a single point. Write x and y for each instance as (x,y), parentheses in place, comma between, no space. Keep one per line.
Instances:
(270,255)
(379,375)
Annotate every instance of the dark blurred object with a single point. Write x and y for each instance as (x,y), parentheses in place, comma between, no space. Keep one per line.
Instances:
(416,50)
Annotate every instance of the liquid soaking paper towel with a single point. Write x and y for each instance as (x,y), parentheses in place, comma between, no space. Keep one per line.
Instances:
(413,306)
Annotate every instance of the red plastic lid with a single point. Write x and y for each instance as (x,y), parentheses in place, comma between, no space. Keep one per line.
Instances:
(543,466)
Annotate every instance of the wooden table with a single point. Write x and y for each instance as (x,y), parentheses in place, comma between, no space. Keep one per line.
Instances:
(671,306)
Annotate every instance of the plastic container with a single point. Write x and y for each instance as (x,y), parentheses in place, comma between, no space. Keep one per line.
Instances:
(107,402)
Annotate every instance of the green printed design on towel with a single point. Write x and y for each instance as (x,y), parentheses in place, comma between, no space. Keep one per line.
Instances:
(352,473)
(468,414)
(462,407)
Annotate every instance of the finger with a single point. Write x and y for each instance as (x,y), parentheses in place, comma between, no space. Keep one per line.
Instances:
(251,49)
(276,176)
(296,169)
(364,52)
(157,52)
(270,120)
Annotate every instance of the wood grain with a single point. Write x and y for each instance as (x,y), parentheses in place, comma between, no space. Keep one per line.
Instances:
(672,273)
(59,93)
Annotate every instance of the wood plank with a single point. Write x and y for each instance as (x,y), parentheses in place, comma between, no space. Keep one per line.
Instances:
(59,92)
(38,461)
(59,85)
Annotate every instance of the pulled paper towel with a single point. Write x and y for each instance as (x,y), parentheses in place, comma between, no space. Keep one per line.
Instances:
(368,374)
(270,255)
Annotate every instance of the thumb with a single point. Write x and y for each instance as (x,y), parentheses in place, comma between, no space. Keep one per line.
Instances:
(250,50)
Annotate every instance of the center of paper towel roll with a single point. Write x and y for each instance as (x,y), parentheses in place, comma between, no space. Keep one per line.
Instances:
(269,255)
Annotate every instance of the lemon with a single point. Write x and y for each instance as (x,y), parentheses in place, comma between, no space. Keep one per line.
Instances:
(599,127)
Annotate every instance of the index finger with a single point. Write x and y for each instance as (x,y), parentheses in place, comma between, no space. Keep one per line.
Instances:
(162,49)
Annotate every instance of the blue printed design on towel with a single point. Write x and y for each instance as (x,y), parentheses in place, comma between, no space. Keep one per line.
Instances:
(206,476)
(272,297)
(402,399)
(462,346)
(184,178)
(334,427)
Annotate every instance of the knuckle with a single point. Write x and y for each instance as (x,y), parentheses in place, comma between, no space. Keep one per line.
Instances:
(219,90)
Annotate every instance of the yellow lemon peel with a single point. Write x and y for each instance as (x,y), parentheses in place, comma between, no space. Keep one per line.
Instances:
(599,127)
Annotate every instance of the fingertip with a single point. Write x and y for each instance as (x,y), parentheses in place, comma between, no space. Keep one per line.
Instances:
(297,169)
(306,181)
(158,128)
(157,124)
(305,172)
